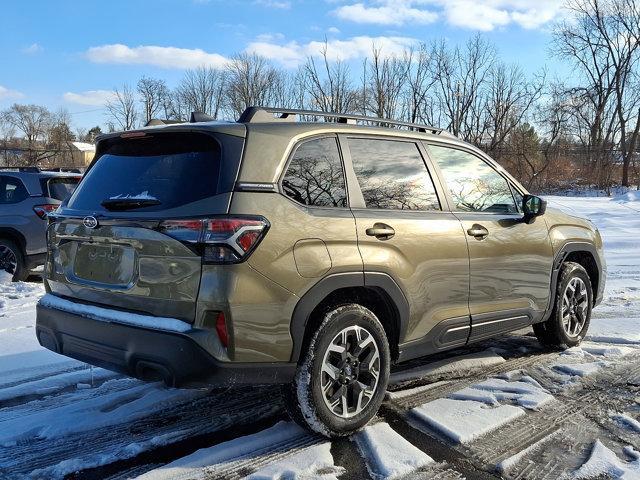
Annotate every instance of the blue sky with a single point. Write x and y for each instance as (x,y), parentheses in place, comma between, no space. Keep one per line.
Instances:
(71,54)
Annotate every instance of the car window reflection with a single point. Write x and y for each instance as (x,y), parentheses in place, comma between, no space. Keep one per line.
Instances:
(392,175)
(474,185)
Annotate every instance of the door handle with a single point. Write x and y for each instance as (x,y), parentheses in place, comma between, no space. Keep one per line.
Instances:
(381,231)
(478,231)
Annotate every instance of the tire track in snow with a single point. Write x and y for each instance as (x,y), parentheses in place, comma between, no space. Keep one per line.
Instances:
(182,421)
(422,396)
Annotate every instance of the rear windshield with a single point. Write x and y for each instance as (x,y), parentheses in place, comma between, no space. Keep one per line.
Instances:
(173,169)
(61,188)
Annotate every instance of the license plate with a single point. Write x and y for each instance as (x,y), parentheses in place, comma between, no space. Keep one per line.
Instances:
(110,264)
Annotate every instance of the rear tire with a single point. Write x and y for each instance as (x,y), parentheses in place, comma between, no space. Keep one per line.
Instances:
(342,378)
(571,315)
(12,260)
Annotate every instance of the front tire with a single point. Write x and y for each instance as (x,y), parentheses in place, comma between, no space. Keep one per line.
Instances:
(12,260)
(569,321)
(343,376)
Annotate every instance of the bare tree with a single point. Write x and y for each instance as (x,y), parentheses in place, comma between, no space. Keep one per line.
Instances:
(420,82)
(34,123)
(603,42)
(252,81)
(460,75)
(386,80)
(153,97)
(122,109)
(329,86)
(201,90)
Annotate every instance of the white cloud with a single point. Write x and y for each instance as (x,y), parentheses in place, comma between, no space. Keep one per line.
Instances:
(32,49)
(333,30)
(8,94)
(281,4)
(474,14)
(292,54)
(387,13)
(165,57)
(94,98)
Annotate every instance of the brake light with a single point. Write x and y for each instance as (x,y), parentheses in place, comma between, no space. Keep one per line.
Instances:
(219,240)
(221,329)
(43,210)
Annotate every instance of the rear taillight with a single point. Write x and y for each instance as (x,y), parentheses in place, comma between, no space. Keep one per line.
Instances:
(221,329)
(219,240)
(43,210)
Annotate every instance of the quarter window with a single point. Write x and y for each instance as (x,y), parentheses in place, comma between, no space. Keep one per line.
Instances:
(392,175)
(314,176)
(12,190)
(474,185)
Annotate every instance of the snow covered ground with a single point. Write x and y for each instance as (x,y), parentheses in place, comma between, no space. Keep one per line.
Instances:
(503,408)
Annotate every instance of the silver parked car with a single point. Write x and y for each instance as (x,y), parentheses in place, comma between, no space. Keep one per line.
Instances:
(27,195)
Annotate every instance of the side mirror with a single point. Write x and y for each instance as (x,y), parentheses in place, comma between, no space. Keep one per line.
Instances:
(533,206)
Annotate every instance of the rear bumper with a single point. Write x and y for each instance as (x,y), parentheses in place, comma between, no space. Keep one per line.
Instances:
(176,358)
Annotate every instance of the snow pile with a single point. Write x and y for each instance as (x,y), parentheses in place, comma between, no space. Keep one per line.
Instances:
(603,463)
(625,330)
(314,461)
(483,407)
(117,316)
(55,382)
(629,422)
(461,420)
(462,364)
(140,196)
(510,462)
(5,277)
(387,454)
(579,369)
(630,196)
(526,393)
(17,290)
(114,402)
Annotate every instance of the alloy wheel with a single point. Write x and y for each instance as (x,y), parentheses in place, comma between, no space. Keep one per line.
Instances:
(8,260)
(350,371)
(575,305)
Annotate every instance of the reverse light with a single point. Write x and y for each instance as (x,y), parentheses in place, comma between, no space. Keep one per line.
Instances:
(43,210)
(219,240)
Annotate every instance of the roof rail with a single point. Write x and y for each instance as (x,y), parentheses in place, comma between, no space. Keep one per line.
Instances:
(196,117)
(268,114)
(21,169)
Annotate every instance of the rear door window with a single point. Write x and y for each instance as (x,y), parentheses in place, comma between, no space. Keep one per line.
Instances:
(12,190)
(171,169)
(392,175)
(61,188)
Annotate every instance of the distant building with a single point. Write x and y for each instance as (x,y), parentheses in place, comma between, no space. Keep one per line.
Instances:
(82,153)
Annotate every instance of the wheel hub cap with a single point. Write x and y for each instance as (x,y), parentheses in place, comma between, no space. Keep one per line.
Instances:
(575,306)
(350,371)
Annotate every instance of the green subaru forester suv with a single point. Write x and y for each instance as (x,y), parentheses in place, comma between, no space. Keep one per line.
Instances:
(313,254)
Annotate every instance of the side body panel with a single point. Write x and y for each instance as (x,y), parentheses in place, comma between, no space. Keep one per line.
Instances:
(570,234)
(303,245)
(510,273)
(427,257)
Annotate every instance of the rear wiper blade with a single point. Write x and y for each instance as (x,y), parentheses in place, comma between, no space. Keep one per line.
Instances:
(129,203)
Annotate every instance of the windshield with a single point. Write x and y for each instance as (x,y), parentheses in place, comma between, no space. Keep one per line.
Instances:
(151,173)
